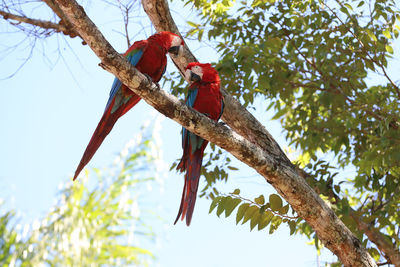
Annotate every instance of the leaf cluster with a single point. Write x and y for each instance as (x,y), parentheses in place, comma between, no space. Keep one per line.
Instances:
(89,225)
(322,66)
(259,212)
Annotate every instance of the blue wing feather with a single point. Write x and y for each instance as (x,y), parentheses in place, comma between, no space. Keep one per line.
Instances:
(195,141)
(133,58)
(190,99)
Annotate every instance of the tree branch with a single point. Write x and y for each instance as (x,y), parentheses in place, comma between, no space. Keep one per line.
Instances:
(391,253)
(36,22)
(397,89)
(63,19)
(48,25)
(282,176)
(235,115)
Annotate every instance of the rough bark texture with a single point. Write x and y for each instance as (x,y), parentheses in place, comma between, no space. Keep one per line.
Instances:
(235,115)
(64,21)
(274,168)
(244,123)
(391,253)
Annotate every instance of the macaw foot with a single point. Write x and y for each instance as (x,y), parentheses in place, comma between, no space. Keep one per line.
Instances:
(151,81)
(148,77)
(158,85)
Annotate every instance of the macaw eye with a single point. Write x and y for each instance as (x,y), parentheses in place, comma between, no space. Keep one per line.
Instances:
(198,70)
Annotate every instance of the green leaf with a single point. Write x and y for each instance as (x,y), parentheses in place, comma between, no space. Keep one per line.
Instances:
(371,35)
(265,220)
(374,253)
(214,204)
(369,64)
(241,211)
(249,213)
(275,201)
(284,210)
(389,49)
(292,226)
(275,222)
(344,10)
(349,6)
(231,205)
(255,219)
(387,34)
(236,191)
(221,205)
(194,25)
(201,32)
(260,200)
(337,188)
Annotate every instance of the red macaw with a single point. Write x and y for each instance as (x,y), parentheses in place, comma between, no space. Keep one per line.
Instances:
(149,57)
(204,96)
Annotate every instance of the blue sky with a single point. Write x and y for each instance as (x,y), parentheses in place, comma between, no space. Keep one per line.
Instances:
(49,112)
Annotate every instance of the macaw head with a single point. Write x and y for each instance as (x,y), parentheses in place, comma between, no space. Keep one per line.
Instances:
(199,72)
(171,42)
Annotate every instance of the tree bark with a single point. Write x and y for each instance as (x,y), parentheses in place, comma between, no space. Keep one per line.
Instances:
(244,123)
(276,169)
(64,21)
(391,253)
(235,115)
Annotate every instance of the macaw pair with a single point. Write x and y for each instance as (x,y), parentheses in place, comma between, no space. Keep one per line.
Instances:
(149,57)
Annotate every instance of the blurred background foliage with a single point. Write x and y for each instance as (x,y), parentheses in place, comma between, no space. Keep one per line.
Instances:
(96,223)
(322,67)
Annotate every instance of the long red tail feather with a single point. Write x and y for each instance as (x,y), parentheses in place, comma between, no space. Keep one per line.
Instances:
(192,165)
(103,129)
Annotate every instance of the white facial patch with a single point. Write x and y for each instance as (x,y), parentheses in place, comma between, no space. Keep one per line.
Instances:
(176,41)
(198,70)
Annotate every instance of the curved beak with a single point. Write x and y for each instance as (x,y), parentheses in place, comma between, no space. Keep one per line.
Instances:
(194,77)
(174,50)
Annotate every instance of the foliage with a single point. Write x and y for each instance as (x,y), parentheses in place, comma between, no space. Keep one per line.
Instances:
(313,63)
(90,225)
(258,212)
(8,238)
(322,67)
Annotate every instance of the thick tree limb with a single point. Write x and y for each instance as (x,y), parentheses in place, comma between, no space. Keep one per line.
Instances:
(331,231)
(391,253)
(244,123)
(235,115)
(63,19)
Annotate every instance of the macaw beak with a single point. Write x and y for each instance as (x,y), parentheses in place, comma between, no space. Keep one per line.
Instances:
(194,77)
(174,50)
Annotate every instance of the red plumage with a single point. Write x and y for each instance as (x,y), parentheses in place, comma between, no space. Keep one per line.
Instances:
(149,57)
(204,96)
